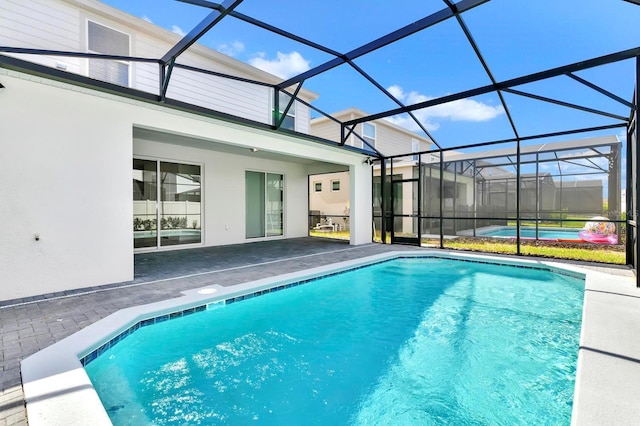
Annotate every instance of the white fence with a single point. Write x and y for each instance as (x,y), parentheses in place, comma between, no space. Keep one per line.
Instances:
(146,210)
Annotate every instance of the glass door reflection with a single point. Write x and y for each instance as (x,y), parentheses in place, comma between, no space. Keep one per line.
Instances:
(145,214)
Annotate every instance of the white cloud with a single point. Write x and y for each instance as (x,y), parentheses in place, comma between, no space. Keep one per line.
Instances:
(231,49)
(460,110)
(548,166)
(284,66)
(146,18)
(176,29)
(622,135)
(396,91)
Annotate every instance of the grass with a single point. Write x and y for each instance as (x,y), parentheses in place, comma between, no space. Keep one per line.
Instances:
(577,251)
(611,254)
(603,256)
(339,235)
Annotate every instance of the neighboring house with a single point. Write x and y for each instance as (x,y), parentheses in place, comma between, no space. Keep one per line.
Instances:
(582,170)
(547,197)
(329,196)
(584,196)
(383,135)
(93,173)
(479,189)
(497,194)
(388,138)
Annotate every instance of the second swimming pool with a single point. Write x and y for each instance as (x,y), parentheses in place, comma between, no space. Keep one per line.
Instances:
(530,232)
(408,341)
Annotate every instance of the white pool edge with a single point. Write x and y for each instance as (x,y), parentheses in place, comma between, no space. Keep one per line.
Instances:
(58,391)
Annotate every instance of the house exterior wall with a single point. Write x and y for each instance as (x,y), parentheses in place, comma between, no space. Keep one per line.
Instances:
(585,198)
(62,25)
(327,129)
(327,201)
(303,118)
(66,170)
(390,138)
(390,141)
(52,25)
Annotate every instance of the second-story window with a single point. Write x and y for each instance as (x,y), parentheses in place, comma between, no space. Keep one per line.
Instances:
(290,120)
(415,147)
(101,39)
(369,135)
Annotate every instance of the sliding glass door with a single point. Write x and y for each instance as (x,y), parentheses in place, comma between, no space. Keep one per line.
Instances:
(264,204)
(145,202)
(254,206)
(179,211)
(169,195)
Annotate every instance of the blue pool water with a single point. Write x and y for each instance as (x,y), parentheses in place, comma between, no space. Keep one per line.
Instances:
(412,341)
(530,232)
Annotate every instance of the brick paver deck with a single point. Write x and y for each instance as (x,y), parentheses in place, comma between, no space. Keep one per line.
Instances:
(29,325)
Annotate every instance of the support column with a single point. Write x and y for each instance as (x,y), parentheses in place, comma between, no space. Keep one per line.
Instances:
(636,161)
(614,187)
(361,204)
(518,183)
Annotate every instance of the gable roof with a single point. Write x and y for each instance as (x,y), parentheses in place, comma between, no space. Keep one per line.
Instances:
(352,113)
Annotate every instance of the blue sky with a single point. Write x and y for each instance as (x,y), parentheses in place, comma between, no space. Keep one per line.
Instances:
(516,37)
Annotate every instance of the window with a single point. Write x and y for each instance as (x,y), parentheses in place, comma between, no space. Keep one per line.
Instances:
(369,135)
(317,186)
(264,204)
(101,39)
(178,188)
(335,185)
(415,147)
(290,119)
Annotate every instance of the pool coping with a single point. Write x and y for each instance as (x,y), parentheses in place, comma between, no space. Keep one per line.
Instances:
(58,391)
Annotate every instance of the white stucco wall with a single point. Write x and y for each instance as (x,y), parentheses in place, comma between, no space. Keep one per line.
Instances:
(327,201)
(66,174)
(361,206)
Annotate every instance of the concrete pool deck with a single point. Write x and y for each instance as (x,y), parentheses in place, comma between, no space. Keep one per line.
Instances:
(30,325)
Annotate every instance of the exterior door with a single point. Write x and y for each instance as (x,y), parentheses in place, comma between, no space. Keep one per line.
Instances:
(166,204)
(404,212)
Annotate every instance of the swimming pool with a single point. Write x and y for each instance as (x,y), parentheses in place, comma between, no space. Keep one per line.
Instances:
(499,343)
(530,232)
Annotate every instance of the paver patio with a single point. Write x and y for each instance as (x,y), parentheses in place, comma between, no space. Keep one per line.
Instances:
(29,325)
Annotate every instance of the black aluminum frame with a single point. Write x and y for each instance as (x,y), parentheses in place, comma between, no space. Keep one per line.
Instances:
(226,10)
